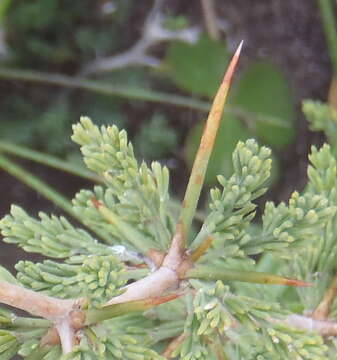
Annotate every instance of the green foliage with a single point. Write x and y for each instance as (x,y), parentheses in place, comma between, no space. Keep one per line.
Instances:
(265,110)
(50,236)
(230,132)
(232,208)
(200,76)
(97,278)
(81,31)
(136,191)
(130,209)
(5,275)
(156,139)
(8,345)
(263,90)
(321,117)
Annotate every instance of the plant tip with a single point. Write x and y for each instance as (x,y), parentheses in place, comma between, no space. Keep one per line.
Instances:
(294,282)
(232,65)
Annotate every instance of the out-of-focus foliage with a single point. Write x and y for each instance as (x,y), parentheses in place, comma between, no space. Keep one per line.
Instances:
(61,37)
(197,68)
(54,34)
(274,123)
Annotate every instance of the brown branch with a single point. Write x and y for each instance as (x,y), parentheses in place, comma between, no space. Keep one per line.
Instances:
(172,346)
(154,32)
(210,19)
(57,310)
(35,303)
(201,249)
(323,309)
(322,327)
(153,285)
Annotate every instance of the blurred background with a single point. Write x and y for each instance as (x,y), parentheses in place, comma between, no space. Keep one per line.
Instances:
(152,67)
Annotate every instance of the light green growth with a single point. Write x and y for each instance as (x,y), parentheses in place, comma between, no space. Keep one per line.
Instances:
(217,309)
(219,320)
(156,139)
(144,232)
(302,220)
(5,275)
(316,261)
(8,345)
(322,173)
(193,347)
(51,236)
(276,343)
(97,278)
(5,317)
(232,208)
(321,117)
(139,191)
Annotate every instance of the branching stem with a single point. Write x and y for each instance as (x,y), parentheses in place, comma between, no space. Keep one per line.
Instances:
(33,302)
(172,346)
(34,182)
(322,327)
(48,160)
(329,24)
(323,309)
(213,273)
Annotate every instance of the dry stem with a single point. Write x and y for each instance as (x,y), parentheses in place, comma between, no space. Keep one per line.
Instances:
(153,33)
(210,19)
(323,309)
(202,157)
(35,303)
(167,353)
(322,327)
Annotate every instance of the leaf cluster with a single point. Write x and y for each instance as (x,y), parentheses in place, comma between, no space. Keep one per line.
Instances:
(131,212)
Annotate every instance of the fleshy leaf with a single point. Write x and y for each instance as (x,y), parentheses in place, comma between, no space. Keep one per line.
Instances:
(198,67)
(263,91)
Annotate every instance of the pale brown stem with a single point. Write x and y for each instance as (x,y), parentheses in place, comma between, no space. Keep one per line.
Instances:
(168,275)
(153,285)
(210,19)
(56,310)
(201,249)
(66,333)
(33,302)
(322,327)
(176,252)
(172,346)
(323,309)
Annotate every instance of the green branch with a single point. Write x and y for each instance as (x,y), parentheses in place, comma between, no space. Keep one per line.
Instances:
(30,323)
(330,29)
(92,316)
(132,93)
(34,182)
(213,273)
(41,187)
(103,88)
(49,160)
